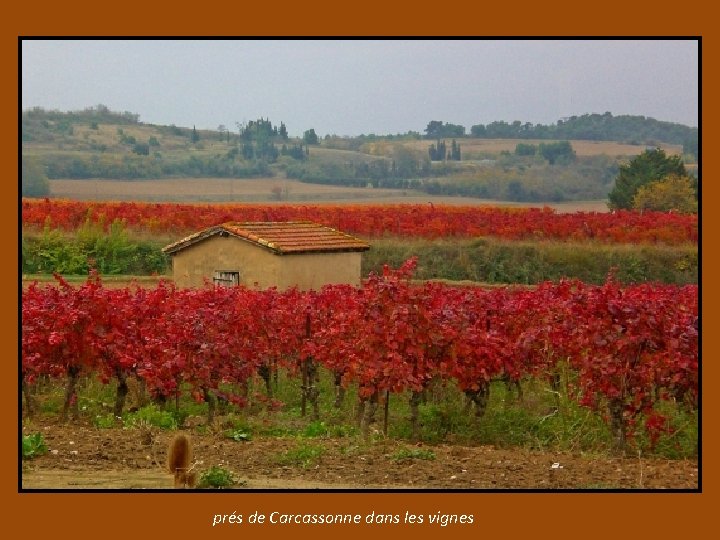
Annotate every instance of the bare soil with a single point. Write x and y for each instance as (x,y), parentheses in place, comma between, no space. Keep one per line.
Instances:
(82,456)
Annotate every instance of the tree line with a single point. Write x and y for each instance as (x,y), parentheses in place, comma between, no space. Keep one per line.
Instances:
(595,127)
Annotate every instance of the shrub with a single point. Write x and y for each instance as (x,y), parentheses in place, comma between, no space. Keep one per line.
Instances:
(674,193)
(111,252)
(497,261)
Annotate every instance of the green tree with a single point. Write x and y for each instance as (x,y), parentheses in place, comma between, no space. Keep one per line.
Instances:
(437,153)
(248,152)
(142,149)
(560,151)
(34,179)
(406,162)
(224,133)
(194,136)
(477,130)
(516,191)
(525,149)
(690,145)
(650,166)
(266,149)
(455,151)
(436,130)
(599,127)
(671,193)
(310,137)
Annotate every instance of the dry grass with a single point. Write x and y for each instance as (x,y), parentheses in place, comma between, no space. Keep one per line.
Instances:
(260,190)
(212,190)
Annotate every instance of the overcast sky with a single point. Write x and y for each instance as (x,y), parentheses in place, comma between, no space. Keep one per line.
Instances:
(351,87)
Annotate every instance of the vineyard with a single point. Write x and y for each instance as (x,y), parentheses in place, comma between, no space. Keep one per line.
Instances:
(622,350)
(608,366)
(373,221)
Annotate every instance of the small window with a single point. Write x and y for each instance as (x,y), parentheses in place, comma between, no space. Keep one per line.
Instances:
(226,279)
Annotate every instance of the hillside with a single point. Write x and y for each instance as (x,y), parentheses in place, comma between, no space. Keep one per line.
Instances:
(101,145)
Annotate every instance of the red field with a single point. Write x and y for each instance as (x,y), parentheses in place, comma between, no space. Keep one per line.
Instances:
(429,221)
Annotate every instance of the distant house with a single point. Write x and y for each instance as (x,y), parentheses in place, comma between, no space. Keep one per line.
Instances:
(267,254)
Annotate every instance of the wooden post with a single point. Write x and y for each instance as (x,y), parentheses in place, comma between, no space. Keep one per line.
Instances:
(387,412)
(70,393)
(121,394)
(177,396)
(210,400)
(28,398)
(310,375)
(306,371)
(303,389)
(339,390)
(415,399)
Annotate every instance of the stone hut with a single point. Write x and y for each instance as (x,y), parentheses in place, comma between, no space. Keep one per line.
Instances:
(267,254)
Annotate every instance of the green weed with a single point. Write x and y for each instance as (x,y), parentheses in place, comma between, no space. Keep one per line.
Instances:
(304,455)
(149,416)
(544,419)
(238,435)
(216,477)
(104,421)
(316,429)
(33,445)
(413,453)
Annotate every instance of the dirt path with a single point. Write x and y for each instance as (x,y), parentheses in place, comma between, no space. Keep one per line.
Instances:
(143,479)
(81,456)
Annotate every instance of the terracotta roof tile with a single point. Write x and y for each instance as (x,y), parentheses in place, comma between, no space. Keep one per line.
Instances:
(280,237)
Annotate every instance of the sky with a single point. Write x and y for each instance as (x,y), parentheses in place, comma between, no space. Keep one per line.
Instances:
(349,87)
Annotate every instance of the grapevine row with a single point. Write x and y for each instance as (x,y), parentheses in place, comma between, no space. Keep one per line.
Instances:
(628,347)
(427,221)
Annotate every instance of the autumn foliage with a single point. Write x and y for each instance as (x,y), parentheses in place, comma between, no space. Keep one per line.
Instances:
(427,221)
(627,347)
